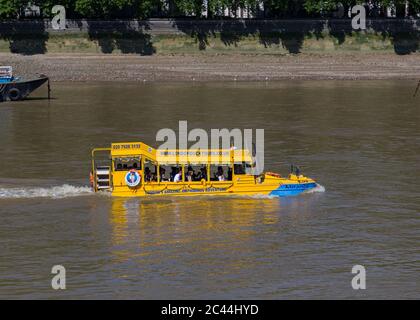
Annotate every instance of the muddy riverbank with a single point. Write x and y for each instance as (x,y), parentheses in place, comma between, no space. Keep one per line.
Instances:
(229,67)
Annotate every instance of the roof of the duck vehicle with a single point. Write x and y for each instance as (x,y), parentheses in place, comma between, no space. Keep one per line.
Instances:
(180,156)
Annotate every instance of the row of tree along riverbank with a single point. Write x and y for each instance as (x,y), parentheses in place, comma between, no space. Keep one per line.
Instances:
(126,9)
(154,36)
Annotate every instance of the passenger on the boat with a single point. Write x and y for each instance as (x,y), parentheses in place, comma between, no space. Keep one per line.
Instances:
(147,175)
(202,174)
(219,175)
(190,174)
(162,174)
(155,175)
(230,174)
(178,175)
(119,166)
(173,173)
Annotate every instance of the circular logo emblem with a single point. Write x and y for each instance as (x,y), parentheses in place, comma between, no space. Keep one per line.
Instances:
(132,178)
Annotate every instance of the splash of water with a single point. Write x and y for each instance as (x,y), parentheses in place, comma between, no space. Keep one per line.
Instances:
(67,191)
(262,196)
(318,188)
(56,192)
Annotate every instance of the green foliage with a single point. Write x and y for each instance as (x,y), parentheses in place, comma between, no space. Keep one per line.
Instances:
(145,8)
(10,8)
(317,6)
(194,7)
(114,8)
(100,8)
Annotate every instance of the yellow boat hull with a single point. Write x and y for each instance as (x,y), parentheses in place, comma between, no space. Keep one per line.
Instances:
(245,185)
(124,173)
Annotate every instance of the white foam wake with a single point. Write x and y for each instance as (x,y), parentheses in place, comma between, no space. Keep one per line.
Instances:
(318,188)
(262,196)
(56,192)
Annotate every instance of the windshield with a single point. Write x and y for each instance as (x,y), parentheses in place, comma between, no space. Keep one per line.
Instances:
(127,163)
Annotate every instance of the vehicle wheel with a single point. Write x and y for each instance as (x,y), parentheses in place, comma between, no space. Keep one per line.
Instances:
(14,94)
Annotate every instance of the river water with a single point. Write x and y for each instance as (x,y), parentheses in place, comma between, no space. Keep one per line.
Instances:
(359,140)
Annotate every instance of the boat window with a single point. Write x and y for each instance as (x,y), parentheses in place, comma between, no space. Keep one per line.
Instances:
(164,172)
(195,172)
(127,163)
(150,171)
(170,170)
(239,168)
(220,172)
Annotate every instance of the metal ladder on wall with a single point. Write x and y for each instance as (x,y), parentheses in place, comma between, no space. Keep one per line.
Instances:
(103,178)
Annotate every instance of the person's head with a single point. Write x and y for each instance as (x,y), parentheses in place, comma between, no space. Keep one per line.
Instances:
(190,168)
(162,170)
(220,169)
(119,166)
(135,165)
(203,169)
(147,170)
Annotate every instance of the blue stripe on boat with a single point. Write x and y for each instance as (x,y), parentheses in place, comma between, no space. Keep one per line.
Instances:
(292,189)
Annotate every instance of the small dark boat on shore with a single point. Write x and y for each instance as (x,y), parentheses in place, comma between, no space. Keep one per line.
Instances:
(14,89)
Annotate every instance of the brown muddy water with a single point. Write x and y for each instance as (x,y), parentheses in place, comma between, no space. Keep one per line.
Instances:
(360,140)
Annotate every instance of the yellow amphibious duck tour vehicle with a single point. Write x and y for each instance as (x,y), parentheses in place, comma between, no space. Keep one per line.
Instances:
(136,169)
